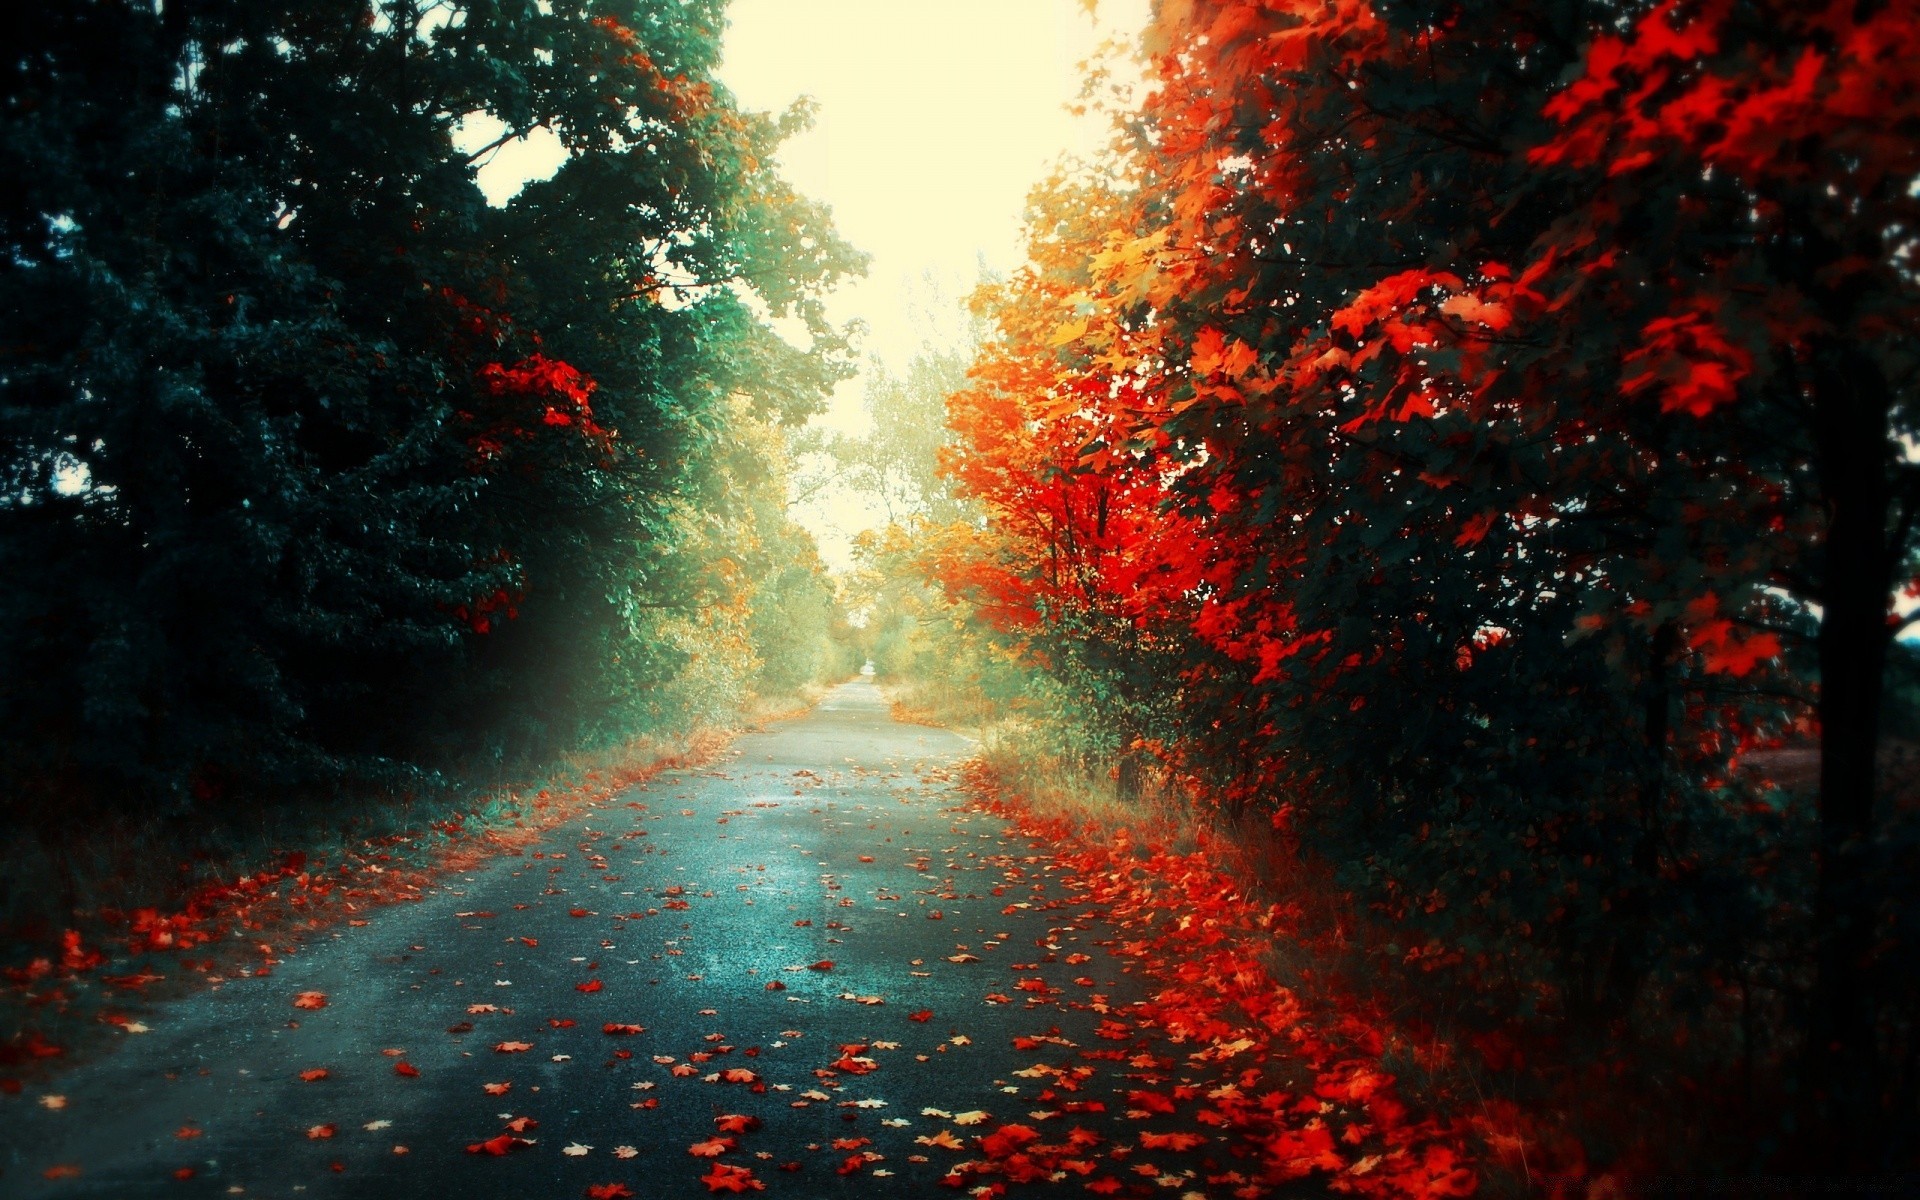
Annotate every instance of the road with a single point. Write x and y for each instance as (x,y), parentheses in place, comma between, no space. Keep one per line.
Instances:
(794,962)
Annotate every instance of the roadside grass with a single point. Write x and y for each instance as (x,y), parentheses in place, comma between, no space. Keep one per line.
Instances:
(120,912)
(1330,953)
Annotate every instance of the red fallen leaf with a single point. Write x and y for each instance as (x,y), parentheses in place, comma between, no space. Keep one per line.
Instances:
(1105,1186)
(319,1132)
(506,1143)
(591,985)
(522,1124)
(852,1143)
(739,1075)
(851,1166)
(725,1178)
(310,1000)
(1008,1139)
(62,1171)
(825,964)
(608,1191)
(866,858)
(1150,1101)
(560,1022)
(711,1148)
(512,1047)
(406,1070)
(496,1089)
(184,1173)
(578,912)
(1171,1141)
(801,924)
(618,1030)
(530,941)
(186,1131)
(775,985)
(923,1016)
(936,915)
(736,1123)
(313,1074)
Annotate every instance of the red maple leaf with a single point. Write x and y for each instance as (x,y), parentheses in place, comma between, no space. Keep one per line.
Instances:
(725,1178)
(506,1143)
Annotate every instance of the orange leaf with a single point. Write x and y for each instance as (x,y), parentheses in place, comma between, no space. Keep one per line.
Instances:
(313,1074)
(513,1047)
(711,1148)
(310,1000)
(406,1070)
(318,1132)
(608,1191)
(1171,1141)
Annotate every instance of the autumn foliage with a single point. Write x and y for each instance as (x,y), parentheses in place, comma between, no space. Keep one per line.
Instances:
(1470,441)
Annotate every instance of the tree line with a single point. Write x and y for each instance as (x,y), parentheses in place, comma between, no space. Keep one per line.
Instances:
(319,473)
(1476,443)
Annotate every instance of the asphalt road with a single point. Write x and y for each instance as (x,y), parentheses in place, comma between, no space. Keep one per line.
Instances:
(703,908)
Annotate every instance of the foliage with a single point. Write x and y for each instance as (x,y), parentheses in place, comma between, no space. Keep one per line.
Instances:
(1467,437)
(318,470)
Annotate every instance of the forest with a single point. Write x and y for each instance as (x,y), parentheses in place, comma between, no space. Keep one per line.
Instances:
(1454,468)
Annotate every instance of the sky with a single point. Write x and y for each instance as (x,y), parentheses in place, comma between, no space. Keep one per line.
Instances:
(934,119)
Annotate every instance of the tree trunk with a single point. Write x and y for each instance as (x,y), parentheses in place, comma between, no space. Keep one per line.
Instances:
(1852,401)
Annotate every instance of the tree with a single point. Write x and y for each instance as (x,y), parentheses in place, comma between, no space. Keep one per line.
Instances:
(1458,395)
(320,471)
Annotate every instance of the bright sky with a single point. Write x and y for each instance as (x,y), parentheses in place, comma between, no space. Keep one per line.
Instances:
(934,120)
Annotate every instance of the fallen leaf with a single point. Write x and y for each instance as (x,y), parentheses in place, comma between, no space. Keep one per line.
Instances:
(575,1150)
(317,1132)
(711,1148)
(310,1000)
(313,1074)
(513,1047)
(608,1191)
(497,1089)
(406,1070)
(976,1117)
(725,1178)
(506,1143)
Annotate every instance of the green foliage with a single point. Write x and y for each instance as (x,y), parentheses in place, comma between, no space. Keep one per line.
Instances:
(316,469)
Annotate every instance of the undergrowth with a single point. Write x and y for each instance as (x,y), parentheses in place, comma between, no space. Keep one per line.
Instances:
(1548,1108)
